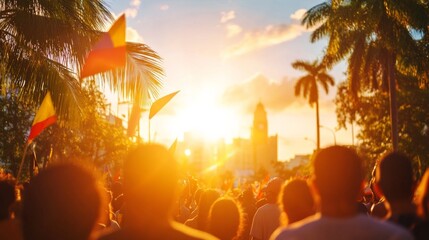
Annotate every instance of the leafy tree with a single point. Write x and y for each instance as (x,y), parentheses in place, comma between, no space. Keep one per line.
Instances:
(95,140)
(308,85)
(371,112)
(44,43)
(376,38)
(15,120)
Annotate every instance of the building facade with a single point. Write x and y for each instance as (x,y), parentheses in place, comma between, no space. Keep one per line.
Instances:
(259,153)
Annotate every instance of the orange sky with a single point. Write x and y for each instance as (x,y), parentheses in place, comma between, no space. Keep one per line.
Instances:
(224,57)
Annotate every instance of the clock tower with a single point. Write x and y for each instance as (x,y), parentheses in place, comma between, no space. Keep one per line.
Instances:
(259,153)
(260,125)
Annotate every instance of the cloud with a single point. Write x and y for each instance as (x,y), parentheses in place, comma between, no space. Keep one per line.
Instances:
(298,14)
(275,96)
(227,16)
(133,35)
(135,3)
(164,7)
(132,11)
(233,30)
(262,38)
(269,36)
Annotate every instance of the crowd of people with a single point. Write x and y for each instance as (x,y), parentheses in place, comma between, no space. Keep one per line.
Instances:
(71,201)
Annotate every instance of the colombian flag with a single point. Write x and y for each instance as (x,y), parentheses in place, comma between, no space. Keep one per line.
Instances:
(109,52)
(44,117)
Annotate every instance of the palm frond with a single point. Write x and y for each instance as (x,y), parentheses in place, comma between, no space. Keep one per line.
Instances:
(320,32)
(316,14)
(408,13)
(303,65)
(35,76)
(142,76)
(325,80)
(356,61)
(298,86)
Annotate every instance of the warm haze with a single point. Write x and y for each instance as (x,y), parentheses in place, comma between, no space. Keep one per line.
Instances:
(225,57)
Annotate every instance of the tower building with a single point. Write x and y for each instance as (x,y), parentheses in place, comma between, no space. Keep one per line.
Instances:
(260,151)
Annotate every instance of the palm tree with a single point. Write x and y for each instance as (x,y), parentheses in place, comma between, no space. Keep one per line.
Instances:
(308,85)
(375,37)
(43,43)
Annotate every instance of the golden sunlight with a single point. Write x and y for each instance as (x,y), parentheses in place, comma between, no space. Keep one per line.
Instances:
(207,118)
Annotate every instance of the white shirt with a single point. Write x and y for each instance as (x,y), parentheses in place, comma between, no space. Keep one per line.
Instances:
(352,228)
(265,221)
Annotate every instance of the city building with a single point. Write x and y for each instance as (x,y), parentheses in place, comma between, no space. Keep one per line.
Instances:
(244,157)
(259,153)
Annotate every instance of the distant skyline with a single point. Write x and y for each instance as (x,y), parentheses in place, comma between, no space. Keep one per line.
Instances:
(225,57)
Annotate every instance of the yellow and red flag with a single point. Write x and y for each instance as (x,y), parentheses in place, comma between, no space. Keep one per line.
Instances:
(44,117)
(109,52)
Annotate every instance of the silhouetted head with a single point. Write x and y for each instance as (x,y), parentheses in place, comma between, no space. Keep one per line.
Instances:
(394,177)
(7,197)
(297,200)
(225,219)
(247,196)
(150,182)
(338,174)
(208,196)
(272,189)
(62,202)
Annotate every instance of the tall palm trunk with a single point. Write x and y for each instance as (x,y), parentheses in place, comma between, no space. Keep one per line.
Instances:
(317,126)
(393,101)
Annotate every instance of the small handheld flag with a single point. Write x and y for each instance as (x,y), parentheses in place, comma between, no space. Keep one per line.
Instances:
(173,147)
(44,117)
(109,52)
(160,103)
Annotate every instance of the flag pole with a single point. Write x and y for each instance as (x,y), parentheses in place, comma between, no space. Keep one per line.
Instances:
(149,131)
(22,162)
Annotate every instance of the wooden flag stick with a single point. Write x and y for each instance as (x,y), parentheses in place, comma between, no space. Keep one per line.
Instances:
(22,162)
(149,132)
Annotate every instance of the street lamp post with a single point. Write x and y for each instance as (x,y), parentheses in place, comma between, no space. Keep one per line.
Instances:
(332,131)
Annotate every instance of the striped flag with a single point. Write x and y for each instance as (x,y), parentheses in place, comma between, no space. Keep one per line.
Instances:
(44,117)
(109,52)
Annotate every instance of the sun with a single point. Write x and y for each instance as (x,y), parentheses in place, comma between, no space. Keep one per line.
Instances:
(208,118)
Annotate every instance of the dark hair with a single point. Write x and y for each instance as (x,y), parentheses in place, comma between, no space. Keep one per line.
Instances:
(297,201)
(395,176)
(208,197)
(150,180)
(62,202)
(225,219)
(338,173)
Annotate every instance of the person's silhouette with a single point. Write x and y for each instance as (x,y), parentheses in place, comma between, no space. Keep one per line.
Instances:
(62,202)
(337,182)
(150,190)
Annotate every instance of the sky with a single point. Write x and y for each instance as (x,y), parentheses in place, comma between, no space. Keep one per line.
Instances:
(227,55)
